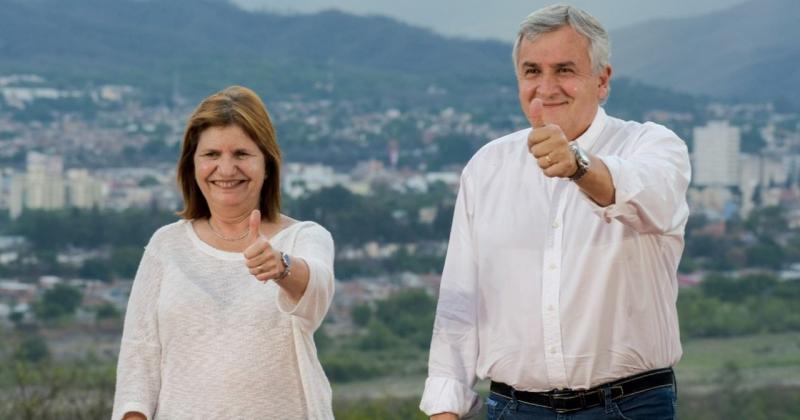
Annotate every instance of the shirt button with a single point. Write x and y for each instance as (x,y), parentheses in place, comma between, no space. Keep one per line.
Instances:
(556,225)
(551,308)
(553,350)
(552,266)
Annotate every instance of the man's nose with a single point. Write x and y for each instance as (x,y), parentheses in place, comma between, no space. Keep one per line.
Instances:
(548,86)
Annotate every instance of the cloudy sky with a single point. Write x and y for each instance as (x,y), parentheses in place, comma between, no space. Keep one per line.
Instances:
(494,19)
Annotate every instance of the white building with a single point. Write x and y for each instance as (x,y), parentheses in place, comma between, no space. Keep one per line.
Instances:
(83,190)
(762,179)
(298,179)
(40,187)
(43,186)
(716,155)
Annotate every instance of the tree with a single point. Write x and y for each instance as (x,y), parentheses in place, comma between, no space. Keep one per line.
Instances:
(61,300)
(361,314)
(107,311)
(408,314)
(33,349)
(96,268)
(125,260)
(378,337)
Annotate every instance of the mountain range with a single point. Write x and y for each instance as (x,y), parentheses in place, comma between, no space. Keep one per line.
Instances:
(749,52)
(198,46)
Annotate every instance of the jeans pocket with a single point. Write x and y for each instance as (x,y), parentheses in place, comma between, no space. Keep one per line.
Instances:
(619,415)
(495,408)
(655,404)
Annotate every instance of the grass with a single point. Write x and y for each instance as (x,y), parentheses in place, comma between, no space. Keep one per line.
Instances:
(751,377)
(754,361)
(754,377)
(707,365)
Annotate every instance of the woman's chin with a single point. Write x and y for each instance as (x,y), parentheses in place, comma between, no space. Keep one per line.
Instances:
(228,201)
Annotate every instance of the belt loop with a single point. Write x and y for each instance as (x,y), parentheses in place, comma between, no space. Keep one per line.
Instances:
(607,396)
(513,404)
(674,381)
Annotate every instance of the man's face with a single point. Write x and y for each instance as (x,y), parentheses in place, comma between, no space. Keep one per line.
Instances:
(556,68)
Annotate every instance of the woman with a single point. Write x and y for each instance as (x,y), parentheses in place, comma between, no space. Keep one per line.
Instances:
(225,302)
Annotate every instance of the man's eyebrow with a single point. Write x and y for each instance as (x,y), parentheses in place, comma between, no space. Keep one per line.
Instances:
(565,64)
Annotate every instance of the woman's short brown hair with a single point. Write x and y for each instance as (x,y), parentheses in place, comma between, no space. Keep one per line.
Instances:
(240,106)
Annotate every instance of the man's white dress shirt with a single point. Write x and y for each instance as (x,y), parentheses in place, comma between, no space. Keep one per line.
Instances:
(542,288)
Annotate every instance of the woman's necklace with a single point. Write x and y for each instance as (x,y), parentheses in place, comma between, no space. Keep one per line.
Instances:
(226,238)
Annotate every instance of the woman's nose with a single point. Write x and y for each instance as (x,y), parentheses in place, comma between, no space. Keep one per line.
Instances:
(227,165)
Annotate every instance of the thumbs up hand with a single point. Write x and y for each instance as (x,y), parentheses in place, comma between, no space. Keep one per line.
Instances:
(549,145)
(263,261)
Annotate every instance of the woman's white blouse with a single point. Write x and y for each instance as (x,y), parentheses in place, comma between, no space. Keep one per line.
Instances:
(204,339)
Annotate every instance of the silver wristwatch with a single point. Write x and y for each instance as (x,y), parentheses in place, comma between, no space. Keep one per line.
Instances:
(287,266)
(582,159)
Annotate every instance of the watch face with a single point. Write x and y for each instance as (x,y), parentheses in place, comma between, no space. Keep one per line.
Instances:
(581,159)
(285,260)
(581,156)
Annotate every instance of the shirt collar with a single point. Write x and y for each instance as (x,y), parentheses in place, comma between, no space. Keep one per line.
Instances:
(588,138)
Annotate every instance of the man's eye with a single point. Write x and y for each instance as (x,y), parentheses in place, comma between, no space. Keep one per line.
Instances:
(532,71)
(565,70)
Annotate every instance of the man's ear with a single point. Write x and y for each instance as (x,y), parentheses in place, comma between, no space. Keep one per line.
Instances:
(605,83)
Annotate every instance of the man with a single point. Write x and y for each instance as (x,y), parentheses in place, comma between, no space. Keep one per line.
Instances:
(560,278)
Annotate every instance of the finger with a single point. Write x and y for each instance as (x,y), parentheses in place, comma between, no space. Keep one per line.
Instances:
(258,260)
(542,161)
(262,255)
(266,276)
(262,270)
(543,149)
(254,226)
(535,110)
(559,170)
(256,249)
(541,134)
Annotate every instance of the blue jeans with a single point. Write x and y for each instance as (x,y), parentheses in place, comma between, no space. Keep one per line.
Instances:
(655,404)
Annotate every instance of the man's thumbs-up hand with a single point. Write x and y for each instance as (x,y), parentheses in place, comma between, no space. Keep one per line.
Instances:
(263,261)
(535,111)
(549,145)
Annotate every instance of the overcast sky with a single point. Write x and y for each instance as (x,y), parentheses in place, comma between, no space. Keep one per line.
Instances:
(497,19)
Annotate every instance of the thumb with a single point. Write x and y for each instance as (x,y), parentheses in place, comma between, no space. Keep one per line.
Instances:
(535,112)
(254,231)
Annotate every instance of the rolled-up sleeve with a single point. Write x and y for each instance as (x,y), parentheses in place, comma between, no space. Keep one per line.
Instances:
(650,184)
(139,365)
(315,246)
(454,346)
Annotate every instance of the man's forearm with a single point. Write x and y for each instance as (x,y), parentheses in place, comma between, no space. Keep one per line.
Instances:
(598,184)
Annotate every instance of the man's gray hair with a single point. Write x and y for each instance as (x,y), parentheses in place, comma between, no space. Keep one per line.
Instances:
(553,17)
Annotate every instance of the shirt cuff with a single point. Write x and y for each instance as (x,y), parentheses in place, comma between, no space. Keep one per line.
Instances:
(447,395)
(625,188)
(312,306)
(134,406)
(285,303)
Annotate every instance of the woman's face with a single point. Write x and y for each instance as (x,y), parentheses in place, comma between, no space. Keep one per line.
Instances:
(229,169)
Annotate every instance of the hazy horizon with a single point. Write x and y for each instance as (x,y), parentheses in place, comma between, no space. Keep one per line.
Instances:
(499,21)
